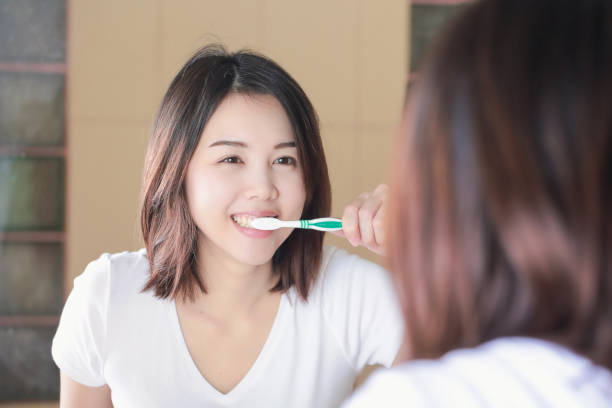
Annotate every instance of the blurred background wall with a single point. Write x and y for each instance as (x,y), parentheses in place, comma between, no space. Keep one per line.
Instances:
(80,81)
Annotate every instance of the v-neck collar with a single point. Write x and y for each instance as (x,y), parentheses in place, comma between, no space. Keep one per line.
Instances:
(253,372)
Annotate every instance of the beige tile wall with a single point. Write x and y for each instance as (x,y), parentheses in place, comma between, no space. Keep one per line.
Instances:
(350,56)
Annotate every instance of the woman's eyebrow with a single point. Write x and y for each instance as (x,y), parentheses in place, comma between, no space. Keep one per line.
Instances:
(242,144)
(228,143)
(284,145)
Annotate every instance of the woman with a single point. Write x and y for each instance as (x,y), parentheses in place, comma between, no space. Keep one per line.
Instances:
(500,233)
(213,313)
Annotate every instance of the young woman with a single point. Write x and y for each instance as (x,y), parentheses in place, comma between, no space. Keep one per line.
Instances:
(501,235)
(214,314)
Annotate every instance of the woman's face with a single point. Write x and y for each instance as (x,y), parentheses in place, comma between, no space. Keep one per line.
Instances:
(246,164)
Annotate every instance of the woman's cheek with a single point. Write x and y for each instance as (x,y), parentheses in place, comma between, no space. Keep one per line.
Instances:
(207,194)
(296,196)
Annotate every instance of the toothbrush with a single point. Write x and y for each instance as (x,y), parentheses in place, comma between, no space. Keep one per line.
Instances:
(269,223)
(319,224)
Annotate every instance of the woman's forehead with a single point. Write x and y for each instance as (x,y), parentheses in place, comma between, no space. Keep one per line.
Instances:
(249,119)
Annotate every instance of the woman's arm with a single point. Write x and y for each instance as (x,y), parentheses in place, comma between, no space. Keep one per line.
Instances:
(75,394)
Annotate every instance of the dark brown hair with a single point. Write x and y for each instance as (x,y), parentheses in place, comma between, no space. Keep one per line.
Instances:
(170,235)
(501,182)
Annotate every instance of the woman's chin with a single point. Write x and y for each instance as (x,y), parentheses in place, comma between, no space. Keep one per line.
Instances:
(253,256)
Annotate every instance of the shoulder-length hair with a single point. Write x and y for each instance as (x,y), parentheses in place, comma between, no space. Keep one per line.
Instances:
(169,233)
(500,220)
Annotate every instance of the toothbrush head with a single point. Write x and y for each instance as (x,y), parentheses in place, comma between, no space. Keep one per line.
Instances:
(265,223)
(262,223)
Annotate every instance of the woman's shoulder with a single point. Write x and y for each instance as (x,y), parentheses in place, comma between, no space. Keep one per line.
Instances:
(337,262)
(523,356)
(82,337)
(130,262)
(350,284)
(518,370)
(343,270)
(417,384)
(387,388)
(115,271)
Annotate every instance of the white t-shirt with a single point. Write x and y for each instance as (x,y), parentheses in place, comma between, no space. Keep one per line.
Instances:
(507,372)
(111,333)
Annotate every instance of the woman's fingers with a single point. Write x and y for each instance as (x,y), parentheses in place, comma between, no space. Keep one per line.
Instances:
(350,220)
(363,220)
(368,210)
(378,223)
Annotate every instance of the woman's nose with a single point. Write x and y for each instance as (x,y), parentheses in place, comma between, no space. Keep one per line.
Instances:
(261,185)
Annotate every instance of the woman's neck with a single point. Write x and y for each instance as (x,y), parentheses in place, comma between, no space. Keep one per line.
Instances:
(233,289)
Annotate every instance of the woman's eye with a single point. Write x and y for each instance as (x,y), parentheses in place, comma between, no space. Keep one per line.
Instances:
(286,160)
(232,160)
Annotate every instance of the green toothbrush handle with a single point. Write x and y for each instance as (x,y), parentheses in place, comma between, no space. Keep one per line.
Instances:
(322,224)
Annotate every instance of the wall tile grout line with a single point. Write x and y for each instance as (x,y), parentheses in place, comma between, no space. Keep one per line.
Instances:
(37,67)
(32,151)
(32,236)
(29,321)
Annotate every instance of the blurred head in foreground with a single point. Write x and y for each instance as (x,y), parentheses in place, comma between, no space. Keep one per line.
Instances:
(502,181)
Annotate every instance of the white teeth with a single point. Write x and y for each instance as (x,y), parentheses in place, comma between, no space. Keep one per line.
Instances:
(242,220)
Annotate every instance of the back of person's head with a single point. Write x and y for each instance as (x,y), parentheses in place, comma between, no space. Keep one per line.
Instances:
(169,232)
(502,181)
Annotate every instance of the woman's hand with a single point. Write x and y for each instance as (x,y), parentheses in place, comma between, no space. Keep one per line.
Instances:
(363,220)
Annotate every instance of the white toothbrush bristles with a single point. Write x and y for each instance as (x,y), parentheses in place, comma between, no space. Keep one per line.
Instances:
(261,223)
(265,223)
